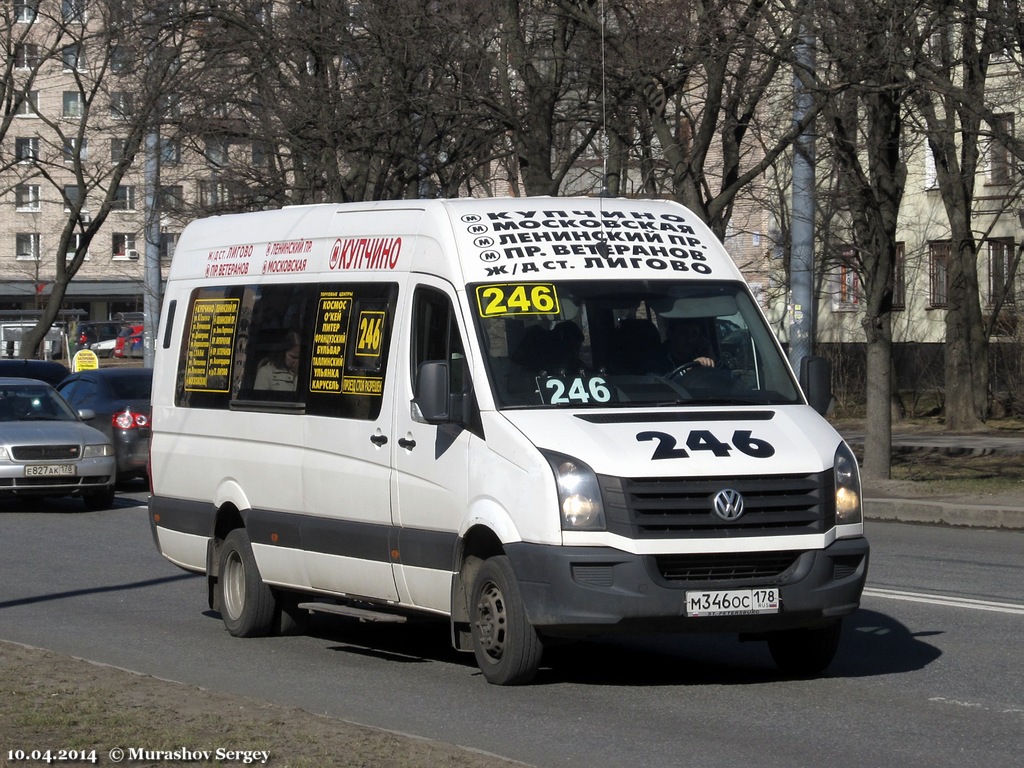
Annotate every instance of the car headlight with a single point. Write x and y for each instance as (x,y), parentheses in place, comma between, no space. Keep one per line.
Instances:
(96,451)
(579,496)
(848,490)
(3,455)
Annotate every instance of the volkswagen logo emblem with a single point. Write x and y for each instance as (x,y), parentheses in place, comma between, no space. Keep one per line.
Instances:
(728,504)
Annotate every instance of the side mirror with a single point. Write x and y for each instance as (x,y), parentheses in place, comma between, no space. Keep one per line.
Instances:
(816,382)
(432,396)
(86,414)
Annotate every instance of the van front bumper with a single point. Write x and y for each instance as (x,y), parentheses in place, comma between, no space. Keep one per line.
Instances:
(579,591)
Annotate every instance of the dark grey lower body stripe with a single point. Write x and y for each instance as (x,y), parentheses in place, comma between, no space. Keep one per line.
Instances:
(330,536)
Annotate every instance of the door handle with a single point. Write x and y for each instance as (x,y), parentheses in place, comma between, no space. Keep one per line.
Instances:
(407,443)
(379,440)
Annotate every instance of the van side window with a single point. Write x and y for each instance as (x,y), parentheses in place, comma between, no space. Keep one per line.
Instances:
(320,349)
(436,337)
(350,337)
(214,328)
(276,353)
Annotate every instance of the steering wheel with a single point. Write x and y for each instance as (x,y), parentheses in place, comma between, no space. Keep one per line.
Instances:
(679,370)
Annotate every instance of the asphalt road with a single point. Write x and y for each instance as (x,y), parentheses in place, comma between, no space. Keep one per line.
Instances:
(928,673)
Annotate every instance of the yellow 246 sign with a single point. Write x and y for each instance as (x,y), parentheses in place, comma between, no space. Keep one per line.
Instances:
(517,299)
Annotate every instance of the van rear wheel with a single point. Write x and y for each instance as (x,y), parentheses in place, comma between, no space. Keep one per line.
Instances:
(247,605)
(508,649)
(805,652)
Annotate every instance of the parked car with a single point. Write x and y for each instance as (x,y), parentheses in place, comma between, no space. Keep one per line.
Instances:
(119,398)
(89,333)
(128,342)
(47,450)
(50,371)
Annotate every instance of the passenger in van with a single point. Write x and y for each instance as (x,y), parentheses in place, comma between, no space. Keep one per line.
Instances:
(279,372)
(568,343)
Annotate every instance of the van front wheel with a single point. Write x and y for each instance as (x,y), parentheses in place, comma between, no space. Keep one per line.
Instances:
(507,647)
(246,604)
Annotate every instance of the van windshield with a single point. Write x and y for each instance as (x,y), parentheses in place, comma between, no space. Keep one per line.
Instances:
(591,344)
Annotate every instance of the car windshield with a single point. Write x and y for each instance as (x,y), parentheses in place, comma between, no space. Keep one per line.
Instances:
(33,402)
(589,343)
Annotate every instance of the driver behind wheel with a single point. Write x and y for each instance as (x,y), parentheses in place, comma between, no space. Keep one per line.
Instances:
(686,341)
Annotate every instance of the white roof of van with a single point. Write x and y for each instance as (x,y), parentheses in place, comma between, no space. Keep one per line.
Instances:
(519,238)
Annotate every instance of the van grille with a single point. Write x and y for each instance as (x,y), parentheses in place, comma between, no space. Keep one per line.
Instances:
(726,566)
(661,508)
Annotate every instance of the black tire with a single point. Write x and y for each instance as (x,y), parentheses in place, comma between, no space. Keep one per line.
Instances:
(246,604)
(97,501)
(805,652)
(508,649)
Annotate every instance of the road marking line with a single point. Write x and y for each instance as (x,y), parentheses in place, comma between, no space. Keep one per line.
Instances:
(956,602)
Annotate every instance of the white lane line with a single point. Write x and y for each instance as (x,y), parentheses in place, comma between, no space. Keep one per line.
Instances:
(955,602)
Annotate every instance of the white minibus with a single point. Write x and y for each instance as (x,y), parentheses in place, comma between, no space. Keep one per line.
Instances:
(539,418)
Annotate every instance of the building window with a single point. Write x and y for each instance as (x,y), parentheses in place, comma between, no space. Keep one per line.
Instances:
(170,151)
(931,175)
(26,56)
(120,60)
(73,104)
(73,11)
(72,196)
(73,57)
(29,105)
(1000,265)
(26,197)
(170,105)
(172,198)
(1000,158)
(217,152)
(75,149)
(260,154)
(73,245)
(124,246)
(213,194)
(117,150)
(846,288)
(120,105)
(168,242)
(899,278)
(26,246)
(938,271)
(26,149)
(25,11)
(124,198)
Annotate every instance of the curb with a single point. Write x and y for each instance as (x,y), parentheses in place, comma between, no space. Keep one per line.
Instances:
(944,513)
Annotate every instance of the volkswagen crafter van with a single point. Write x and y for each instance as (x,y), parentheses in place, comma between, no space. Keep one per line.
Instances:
(541,418)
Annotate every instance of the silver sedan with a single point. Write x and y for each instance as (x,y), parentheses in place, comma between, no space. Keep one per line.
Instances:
(46,449)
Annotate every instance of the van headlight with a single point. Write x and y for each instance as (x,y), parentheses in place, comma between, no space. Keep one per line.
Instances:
(848,490)
(95,451)
(579,496)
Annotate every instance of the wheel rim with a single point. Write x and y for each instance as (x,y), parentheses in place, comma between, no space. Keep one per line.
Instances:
(492,620)
(233,578)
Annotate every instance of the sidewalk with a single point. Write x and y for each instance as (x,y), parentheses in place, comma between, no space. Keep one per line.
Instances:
(911,502)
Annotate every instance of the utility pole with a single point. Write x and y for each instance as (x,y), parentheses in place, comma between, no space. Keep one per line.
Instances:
(152,289)
(802,308)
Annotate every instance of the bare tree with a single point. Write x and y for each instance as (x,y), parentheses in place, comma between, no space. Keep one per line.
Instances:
(864,117)
(962,42)
(108,97)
